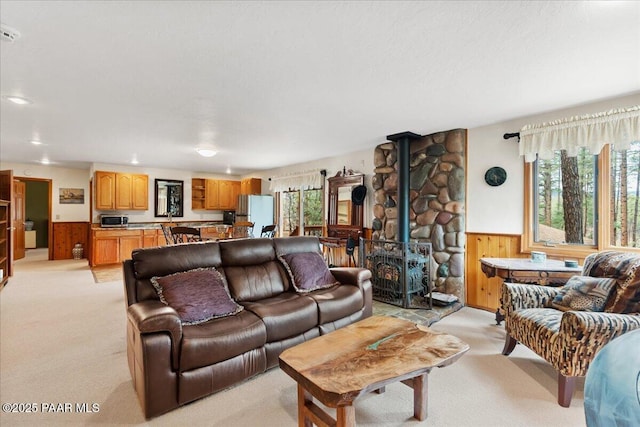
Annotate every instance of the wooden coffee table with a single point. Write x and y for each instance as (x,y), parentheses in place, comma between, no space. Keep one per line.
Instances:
(365,356)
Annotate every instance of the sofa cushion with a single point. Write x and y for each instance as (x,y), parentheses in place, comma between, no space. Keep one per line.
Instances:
(337,302)
(220,339)
(307,271)
(285,315)
(197,295)
(584,293)
(625,268)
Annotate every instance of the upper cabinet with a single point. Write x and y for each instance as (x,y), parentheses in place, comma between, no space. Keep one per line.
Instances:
(121,191)
(214,194)
(250,186)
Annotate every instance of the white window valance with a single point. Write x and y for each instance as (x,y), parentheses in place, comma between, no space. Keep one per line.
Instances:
(297,181)
(619,127)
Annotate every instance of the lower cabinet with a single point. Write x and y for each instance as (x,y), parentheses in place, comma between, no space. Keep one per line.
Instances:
(115,246)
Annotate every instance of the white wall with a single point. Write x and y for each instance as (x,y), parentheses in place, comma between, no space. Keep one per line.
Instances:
(60,178)
(153,173)
(489,209)
(500,209)
(358,161)
(79,178)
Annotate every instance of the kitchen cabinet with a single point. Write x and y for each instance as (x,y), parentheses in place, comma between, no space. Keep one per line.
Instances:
(197,193)
(150,238)
(121,191)
(214,194)
(251,186)
(114,246)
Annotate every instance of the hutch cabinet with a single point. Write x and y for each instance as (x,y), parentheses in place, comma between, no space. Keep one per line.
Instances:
(4,242)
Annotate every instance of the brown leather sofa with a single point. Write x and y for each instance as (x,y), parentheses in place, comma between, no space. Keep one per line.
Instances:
(172,363)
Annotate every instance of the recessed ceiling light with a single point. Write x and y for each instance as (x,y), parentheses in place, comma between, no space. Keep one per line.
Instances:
(206,152)
(134,162)
(45,161)
(34,142)
(18,100)
(228,170)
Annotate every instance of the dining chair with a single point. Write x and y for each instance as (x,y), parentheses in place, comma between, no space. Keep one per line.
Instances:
(243,229)
(185,234)
(166,230)
(268,231)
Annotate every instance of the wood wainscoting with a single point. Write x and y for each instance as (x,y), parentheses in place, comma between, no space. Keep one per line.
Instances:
(483,292)
(66,235)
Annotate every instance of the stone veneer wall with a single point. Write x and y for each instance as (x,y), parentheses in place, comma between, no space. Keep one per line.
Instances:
(437,202)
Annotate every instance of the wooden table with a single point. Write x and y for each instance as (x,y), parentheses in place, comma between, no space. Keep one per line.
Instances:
(523,270)
(365,356)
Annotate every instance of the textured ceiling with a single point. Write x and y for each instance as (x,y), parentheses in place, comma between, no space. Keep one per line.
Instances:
(268,84)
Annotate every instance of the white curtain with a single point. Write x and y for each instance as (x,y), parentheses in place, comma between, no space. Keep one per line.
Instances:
(297,181)
(618,127)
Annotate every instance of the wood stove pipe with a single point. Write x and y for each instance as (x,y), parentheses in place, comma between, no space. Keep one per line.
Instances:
(403,142)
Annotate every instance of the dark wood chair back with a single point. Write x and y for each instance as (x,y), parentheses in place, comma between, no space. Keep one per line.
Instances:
(185,234)
(242,229)
(268,231)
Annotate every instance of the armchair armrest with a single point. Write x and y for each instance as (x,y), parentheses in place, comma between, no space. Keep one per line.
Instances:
(584,333)
(518,296)
(149,317)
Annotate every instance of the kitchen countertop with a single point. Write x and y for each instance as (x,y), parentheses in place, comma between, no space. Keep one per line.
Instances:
(156,225)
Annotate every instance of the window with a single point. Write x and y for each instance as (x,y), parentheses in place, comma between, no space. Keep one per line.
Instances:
(624,226)
(290,213)
(311,213)
(575,205)
(566,199)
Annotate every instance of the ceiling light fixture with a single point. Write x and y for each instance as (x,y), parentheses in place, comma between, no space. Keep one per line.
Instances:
(228,170)
(204,152)
(134,161)
(45,161)
(34,142)
(18,100)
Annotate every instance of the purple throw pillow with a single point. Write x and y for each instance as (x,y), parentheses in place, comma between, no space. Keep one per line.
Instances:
(197,295)
(308,271)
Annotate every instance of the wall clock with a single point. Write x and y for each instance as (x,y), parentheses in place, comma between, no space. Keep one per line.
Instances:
(495,176)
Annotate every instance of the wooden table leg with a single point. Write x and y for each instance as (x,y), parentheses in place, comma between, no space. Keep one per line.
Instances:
(420,394)
(346,416)
(304,399)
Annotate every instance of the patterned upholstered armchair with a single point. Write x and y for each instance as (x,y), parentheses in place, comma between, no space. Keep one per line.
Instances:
(567,326)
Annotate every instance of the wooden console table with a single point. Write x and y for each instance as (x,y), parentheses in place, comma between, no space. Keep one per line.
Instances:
(522,270)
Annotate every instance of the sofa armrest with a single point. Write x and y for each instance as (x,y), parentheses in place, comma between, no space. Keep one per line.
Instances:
(352,276)
(149,317)
(584,333)
(517,296)
(360,277)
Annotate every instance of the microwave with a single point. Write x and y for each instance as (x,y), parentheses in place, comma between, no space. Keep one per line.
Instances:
(114,220)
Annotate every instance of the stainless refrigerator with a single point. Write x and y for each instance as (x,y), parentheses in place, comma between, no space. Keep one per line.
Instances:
(256,209)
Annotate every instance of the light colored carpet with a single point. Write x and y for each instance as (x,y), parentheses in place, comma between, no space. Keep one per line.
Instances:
(63,341)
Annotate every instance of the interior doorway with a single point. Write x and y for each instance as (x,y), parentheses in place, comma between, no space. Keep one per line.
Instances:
(37,212)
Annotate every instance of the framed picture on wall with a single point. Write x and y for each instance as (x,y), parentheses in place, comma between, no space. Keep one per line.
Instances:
(72,196)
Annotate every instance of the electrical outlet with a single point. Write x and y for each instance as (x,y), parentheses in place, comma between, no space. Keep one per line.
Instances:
(57,216)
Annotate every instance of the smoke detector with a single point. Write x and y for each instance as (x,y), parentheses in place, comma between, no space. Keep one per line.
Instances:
(9,34)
